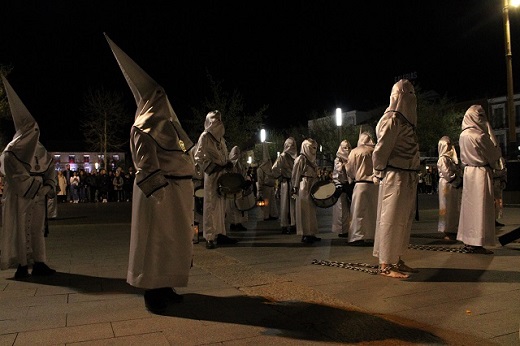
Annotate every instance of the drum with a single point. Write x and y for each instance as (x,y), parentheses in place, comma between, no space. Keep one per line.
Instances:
(322,194)
(199,199)
(247,201)
(229,185)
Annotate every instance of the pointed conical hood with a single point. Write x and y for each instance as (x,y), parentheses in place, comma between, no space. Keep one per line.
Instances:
(138,80)
(27,133)
(154,114)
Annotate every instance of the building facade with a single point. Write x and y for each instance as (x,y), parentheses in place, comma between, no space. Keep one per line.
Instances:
(88,161)
(497,108)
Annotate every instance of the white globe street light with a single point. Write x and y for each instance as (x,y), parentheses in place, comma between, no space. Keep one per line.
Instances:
(339,122)
(263,135)
(339,117)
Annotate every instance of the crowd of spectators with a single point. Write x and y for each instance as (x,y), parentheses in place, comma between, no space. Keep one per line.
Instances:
(92,187)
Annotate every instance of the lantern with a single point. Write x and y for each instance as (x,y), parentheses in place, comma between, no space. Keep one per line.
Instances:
(261,202)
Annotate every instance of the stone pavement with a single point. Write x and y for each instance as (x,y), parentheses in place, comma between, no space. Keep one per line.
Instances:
(264,290)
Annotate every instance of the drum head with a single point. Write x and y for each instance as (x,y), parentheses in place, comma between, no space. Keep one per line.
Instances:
(322,194)
(324,191)
(230,184)
(199,192)
(247,202)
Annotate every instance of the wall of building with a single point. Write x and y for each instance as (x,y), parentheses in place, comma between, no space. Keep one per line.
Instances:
(89,161)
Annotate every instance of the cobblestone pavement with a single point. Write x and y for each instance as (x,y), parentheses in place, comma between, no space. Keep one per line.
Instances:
(264,290)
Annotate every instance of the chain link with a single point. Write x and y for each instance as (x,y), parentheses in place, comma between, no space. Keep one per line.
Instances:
(374,269)
(461,249)
(360,267)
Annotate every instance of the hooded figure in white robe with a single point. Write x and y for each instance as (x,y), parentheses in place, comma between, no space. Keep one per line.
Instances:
(282,170)
(499,184)
(265,184)
(363,209)
(450,192)
(30,179)
(396,163)
(304,175)
(341,210)
(162,205)
(479,155)
(212,156)
(234,216)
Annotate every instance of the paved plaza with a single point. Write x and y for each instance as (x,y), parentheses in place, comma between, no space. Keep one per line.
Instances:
(265,290)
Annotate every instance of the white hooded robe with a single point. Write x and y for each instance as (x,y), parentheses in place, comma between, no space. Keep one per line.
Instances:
(28,168)
(479,155)
(282,170)
(212,155)
(304,175)
(363,209)
(450,178)
(341,210)
(396,163)
(162,205)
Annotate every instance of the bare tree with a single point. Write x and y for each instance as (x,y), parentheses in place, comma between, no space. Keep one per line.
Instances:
(437,117)
(107,123)
(241,125)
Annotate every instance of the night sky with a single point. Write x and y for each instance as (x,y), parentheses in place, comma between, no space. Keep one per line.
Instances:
(296,56)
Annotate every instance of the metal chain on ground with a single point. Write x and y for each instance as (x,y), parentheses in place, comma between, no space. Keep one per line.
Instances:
(440,248)
(360,267)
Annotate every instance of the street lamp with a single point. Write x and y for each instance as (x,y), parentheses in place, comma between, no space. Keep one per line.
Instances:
(263,135)
(511,116)
(339,122)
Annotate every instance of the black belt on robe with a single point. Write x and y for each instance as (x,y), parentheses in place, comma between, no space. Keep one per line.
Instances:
(178,177)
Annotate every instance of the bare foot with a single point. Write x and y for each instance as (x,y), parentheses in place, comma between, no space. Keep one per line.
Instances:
(404,268)
(392,272)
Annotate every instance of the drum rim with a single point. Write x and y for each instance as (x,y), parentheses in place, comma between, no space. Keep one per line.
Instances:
(319,202)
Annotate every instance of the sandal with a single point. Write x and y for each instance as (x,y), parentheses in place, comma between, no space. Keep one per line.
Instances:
(392,271)
(404,268)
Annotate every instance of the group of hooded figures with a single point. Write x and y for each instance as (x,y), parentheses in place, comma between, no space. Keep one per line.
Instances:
(168,163)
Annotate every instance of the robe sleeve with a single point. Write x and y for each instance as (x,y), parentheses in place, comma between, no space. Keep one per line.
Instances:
(387,137)
(149,177)
(299,166)
(350,167)
(19,178)
(277,169)
(489,151)
(445,169)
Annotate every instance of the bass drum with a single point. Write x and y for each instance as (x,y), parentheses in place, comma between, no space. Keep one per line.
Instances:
(229,185)
(322,194)
(199,199)
(247,201)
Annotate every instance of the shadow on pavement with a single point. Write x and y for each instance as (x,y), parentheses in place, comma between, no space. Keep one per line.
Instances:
(85,283)
(464,275)
(299,320)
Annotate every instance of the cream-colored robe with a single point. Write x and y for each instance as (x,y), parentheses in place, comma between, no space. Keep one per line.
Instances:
(304,175)
(450,176)
(22,232)
(396,162)
(212,152)
(340,210)
(282,169)
(161,234)
(477,213)
(363,209)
